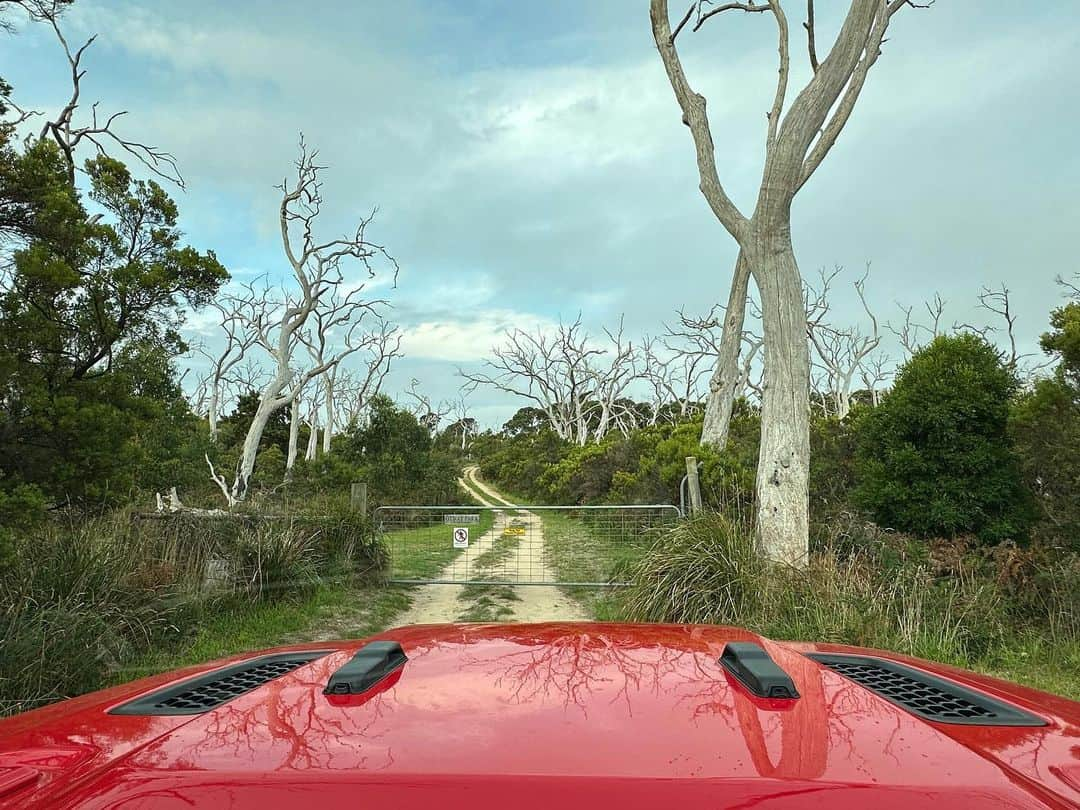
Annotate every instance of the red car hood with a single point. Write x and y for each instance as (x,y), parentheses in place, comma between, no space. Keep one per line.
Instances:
(527,715)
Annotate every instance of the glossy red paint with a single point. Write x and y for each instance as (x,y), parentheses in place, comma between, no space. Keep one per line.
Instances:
(524,716)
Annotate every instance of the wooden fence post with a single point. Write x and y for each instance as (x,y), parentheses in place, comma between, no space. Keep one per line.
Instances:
(358,498)
(693,485)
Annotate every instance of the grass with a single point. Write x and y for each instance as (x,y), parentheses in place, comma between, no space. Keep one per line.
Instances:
(593,546)
(341,607)
(354,609)
(419,552)
(488,603)
(1016,618)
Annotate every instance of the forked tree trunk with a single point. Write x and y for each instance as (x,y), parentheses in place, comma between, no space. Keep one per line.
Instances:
(313,443)
(724,383)
(784,456)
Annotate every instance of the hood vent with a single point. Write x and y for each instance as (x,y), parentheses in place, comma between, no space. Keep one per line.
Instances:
(215,688)
(926,695)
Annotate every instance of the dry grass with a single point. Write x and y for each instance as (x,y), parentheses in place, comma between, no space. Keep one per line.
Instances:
(980,610)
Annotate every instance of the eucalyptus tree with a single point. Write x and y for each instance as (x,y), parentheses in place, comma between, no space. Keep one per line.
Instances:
(319,300)
(798,137)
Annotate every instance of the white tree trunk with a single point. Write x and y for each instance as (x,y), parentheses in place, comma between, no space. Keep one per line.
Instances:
(328,430)
(784,456)
(212,414)
(313,443)
(268,404)
(724,383)
(294,435)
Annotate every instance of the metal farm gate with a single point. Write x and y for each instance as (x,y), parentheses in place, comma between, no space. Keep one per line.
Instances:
(518,545)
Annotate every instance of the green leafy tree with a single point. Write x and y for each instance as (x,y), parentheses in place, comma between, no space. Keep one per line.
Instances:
(1046,427)
(1063,341)
(934,458)
(88,327)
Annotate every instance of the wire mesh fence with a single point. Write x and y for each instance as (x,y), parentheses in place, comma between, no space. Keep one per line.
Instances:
(518,545)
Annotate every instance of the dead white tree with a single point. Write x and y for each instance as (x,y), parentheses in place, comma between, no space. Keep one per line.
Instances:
(355,386)
(727,381)
(703,338)
(313,417)
(913,334)
(610,380)
(875,372)
(427,413)
(796,142)
(998,302)
(566,374)
(236,313)
(337,329)
(316,270)
(65,131)
(673,373)
(841,353)
(463,424)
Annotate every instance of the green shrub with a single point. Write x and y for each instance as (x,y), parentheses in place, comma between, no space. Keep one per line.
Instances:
(1045,425)
(934,458)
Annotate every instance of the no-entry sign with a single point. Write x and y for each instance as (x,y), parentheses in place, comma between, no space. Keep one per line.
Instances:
(461,537)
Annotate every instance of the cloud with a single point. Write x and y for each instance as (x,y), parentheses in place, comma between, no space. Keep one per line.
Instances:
(468,336)
(530,164)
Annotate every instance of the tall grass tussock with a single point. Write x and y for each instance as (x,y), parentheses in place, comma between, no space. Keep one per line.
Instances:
(954,602)
(78,600)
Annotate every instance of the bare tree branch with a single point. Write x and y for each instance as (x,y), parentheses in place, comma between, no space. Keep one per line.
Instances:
(696,118)
(811,38)
(68,135)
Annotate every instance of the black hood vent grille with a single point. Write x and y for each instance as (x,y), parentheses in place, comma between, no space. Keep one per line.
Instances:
(926,695)
(213,689)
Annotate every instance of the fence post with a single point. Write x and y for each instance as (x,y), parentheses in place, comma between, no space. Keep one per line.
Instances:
(693,484)
(358,498)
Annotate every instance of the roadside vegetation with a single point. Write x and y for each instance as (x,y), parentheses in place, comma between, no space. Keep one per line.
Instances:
(150,519)
(944,518)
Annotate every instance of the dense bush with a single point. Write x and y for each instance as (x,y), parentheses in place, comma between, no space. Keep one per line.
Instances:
(1045,426)
(646,466)
(79,600)
(934,458)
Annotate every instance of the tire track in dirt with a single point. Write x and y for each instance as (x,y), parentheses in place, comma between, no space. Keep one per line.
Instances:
(524,562)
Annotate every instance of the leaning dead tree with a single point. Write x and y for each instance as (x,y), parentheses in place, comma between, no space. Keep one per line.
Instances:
(796,143)
(702,338)
(283,329)
(574,380)
(842,354)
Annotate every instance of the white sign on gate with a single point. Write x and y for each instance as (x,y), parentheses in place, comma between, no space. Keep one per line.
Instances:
(461,537)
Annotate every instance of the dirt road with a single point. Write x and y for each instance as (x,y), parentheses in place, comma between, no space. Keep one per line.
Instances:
(523,562)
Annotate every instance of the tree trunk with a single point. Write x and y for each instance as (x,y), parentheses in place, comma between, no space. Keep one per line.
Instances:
(784,456)
(267,406)
(313,442)
(294,435)
(212,414)
(724,384)
(328,430)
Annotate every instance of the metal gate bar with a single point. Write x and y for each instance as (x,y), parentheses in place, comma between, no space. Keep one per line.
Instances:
(518,545)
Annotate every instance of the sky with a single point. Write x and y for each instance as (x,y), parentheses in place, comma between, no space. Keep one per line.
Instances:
(529,165)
